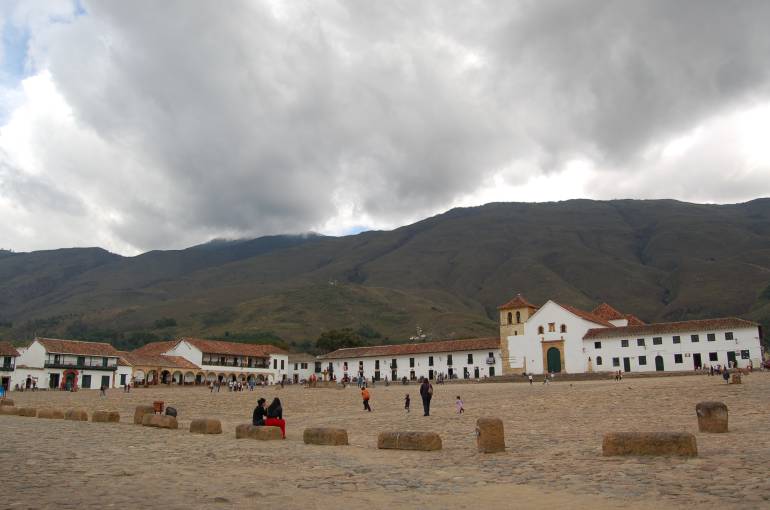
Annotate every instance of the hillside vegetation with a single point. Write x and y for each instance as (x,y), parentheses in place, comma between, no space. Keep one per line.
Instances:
(658,259)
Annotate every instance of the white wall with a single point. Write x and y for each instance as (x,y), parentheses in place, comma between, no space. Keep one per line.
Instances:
(421,367)
(32,356)
(744,339)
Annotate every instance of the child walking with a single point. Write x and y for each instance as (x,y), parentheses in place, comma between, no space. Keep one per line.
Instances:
(406,402)
(365,395)
(459,405)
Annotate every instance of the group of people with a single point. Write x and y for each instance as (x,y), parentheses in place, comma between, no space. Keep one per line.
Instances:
(426,394)
(272,416)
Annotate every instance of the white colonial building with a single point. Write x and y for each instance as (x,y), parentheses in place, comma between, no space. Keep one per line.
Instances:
(8,355)
(473,358)
(301,366)
(67,364)
(198,361)
(560,338)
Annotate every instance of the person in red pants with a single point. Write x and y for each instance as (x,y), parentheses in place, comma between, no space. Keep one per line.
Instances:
(275,416)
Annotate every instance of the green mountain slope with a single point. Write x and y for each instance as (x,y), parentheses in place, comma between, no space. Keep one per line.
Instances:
(659,259)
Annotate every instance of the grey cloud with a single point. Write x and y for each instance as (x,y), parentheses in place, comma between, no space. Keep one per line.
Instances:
(249,123)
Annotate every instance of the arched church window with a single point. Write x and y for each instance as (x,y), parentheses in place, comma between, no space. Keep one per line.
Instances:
(518,317)
(510,317)
(598,360)
(563,328)
(540,330)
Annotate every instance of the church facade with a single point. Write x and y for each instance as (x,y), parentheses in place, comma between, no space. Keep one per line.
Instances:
(556,337)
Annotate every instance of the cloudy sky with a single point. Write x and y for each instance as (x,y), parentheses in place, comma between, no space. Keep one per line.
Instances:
(153,125)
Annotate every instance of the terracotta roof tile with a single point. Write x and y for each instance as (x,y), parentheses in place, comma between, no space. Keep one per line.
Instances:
(587,316)
(469,344)
(234,348)
(669,327)
(517,302)
(156,348)
(6,349)
(607,312)
(77,347)
(633,320)
(140,359)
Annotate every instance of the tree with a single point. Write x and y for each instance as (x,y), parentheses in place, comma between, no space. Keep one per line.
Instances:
(337,339)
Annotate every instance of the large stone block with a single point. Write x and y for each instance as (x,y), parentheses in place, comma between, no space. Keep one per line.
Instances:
(206,426)
(712,416)
(29,412)
(140,412)
(76,415)
(680,444)
(490,435)
(9,410)
(249,431)
(423,441)
(51,414)
(325,436)
(105,417)
(6,402)
(160,421)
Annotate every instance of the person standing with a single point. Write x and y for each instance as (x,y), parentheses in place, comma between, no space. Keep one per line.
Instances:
(426,393)
(459,405)
(407,401)
(530,379)
(726,375)
(366,396)
(103,390)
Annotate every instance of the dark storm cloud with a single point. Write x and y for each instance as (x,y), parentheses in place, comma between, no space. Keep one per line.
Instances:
(249,118)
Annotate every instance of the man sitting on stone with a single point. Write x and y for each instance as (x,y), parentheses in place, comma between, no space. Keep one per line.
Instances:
(260,413)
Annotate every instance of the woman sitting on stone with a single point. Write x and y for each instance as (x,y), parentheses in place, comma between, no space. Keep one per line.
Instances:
(275,416)
(260,413)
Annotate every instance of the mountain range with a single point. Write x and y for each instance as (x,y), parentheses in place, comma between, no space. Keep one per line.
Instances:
(443,277)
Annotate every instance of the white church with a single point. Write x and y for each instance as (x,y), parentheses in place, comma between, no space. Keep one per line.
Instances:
(560,338)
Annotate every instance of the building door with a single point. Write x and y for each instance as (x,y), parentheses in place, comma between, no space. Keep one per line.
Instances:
(6,383)
(394,375)
(696,362)
(53,381)
(731,359)
(430,374)
(476,372)
(451,373)
(553,357)
(105,381)
(86,384)
(465,373)
(659,363)
(626,364)
(491,371)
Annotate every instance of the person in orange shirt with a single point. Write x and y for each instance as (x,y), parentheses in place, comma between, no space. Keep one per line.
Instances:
(366,396)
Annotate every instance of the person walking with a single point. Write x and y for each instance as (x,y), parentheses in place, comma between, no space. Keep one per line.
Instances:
(459,405)
(726,375)
(426,393)
(103,390)
(407,401)
(530,379)
(366,396)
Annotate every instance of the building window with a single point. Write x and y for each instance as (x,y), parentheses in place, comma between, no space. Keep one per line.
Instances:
(449,360)
(711,337)
(597,345)
(640,342)
(624,343)
(275,364)
(656,340)
(745,354)
(317,368)
(615,362)
(540,330)
(510,318)
(694,338)
(411,362)
(295,366)
(677,340)
(430,361)
(393,363)
(729,335)
(518,317)
(563,328)
(677,358)
(376,364)
(598,360)
(552,327)
(282,364)
(304,366)
(470,359)
(344,366)
(713,356)
(642,360)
